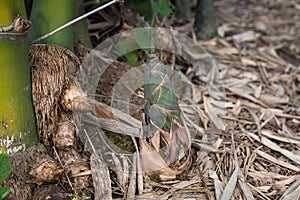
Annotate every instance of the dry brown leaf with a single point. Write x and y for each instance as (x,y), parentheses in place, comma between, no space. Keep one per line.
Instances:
(244,187)
(275,147)
(257,91)
(213,113)
(227,51)
(272,100)
(228,190)
(246,95)
(245,36)
(277,161)
(101,179)
(272,135)
(247,61)
(153,164)
(293,192)
(132,184)
(223,29)
(111,125)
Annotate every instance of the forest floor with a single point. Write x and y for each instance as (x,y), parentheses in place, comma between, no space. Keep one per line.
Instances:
(258,53)
(256,156)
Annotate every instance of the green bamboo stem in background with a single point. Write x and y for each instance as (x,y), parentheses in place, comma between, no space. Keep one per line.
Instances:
(81,27)
(205,20)
(47,15)
(183,9)
(10,9)
(17,121)
(143,7)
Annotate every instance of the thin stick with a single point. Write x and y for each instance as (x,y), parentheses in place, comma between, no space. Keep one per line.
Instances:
(75,20)
(67,176)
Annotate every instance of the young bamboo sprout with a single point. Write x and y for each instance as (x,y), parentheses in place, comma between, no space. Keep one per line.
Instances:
(162,114)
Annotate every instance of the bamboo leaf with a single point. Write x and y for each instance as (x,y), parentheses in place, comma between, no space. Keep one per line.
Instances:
(5,167)
(164,7)
(4,192)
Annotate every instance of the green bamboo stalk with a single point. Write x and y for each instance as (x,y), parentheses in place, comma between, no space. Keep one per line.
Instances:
(183,9)
(10,9)
(143,7)
(48,15)
(81,29)
(17,128)
(205,20)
